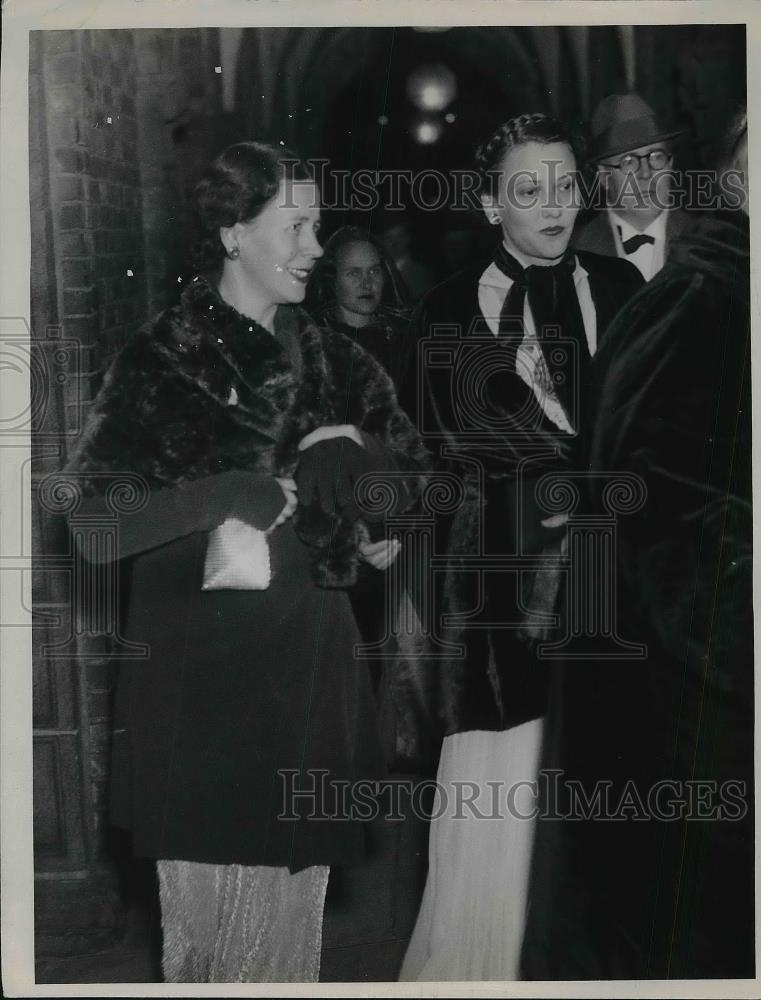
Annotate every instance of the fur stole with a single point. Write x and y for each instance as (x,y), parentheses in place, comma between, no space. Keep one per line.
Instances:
(203,389)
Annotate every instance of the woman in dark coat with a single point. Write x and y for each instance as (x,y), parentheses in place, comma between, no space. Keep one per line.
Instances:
(231,405)
(506,346)
(356,290)
(655,880)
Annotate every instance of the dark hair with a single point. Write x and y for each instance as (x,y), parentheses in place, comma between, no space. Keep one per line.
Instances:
(235,188)
(517,132)
(321,290)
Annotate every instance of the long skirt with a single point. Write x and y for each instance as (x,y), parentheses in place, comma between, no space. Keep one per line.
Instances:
(241,924)
(471,920)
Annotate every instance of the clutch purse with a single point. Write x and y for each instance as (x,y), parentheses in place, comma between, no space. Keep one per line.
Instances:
(237,558)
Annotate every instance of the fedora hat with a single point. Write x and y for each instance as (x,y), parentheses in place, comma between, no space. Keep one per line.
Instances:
(625,121)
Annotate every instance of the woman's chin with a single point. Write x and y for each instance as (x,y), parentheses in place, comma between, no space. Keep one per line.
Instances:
(296,292)
(553,247)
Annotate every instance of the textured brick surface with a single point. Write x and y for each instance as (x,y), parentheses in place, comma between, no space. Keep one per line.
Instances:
(111,225)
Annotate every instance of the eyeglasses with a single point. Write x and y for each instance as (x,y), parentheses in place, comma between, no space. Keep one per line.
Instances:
(632,163)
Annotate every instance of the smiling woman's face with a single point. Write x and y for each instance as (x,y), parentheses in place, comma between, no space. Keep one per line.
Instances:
(278,248)
(537,203)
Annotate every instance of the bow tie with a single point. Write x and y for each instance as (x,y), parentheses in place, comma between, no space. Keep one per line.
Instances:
(635,242)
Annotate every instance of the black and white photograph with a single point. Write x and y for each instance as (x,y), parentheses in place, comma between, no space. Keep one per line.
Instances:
(376,511)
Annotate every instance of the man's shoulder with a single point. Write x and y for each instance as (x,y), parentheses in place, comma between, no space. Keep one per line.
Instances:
(594,235)
(603,267)
(677,221)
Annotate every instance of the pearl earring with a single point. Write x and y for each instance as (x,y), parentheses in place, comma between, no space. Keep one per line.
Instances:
(233,253)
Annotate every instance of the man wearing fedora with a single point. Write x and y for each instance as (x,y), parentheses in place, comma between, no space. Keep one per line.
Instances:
(632,151)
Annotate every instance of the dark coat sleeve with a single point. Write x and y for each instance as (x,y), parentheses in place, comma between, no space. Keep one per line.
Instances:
(201,505)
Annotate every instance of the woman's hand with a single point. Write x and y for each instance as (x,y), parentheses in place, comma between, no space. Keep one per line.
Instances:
(380,554)
(288,486)
(332,431)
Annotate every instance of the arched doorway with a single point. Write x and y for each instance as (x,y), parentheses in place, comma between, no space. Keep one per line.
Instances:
(361,119)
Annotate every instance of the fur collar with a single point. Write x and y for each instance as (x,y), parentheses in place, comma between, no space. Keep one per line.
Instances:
(203,389)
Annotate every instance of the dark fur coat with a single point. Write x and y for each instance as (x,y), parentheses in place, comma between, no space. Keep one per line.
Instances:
(240,686)
(203,390)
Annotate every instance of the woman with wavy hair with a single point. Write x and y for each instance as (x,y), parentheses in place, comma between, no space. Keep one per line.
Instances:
(248,426)
(506,392)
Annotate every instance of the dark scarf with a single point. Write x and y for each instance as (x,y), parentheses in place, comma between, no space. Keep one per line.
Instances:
(555,308)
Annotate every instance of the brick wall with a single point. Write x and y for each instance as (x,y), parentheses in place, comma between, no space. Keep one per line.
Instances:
(95,191)
(120,105)
(178,102)
(87,106)
(119,121)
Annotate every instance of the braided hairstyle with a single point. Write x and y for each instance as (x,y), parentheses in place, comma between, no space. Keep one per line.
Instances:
(516,132)
(235,187)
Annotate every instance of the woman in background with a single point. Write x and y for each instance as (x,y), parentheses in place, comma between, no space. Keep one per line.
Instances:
(508,405)
(229,406)
(355,288)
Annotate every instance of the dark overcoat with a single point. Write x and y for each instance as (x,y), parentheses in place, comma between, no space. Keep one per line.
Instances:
(651,873)
(241,688)
(594,234)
